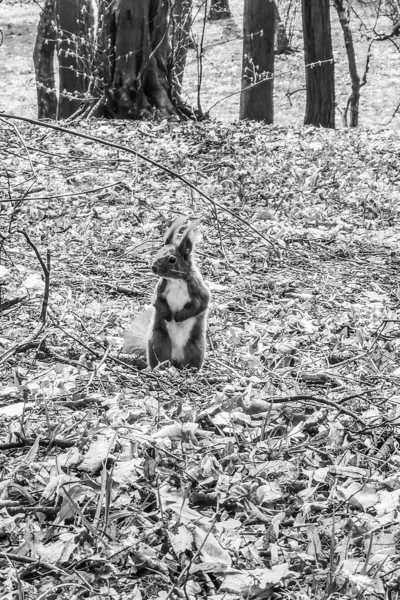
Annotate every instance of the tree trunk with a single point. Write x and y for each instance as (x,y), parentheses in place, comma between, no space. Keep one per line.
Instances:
(282,40)
(256,102)
(320,79)
(219,9)
(351,57)
(180,30)
(43,57)
(74,18)
(140,59)
(124,69)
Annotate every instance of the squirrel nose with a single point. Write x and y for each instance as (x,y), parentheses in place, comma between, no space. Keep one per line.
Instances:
(154,268)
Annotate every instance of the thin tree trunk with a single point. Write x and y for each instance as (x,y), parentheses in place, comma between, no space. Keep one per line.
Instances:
(43,57)
(320,81)
(219,9)
(354,99)
(158,81)
(256,103)
(73,20)
(282,40)
(181,23)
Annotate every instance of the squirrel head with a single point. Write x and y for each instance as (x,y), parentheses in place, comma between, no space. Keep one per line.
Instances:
(175,259)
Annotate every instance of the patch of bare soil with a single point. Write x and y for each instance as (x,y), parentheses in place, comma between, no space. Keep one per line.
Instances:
(18,22)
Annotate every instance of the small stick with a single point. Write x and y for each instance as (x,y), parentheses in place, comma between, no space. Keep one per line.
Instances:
(22,142)
(25,344)
(83,192)
(46,272)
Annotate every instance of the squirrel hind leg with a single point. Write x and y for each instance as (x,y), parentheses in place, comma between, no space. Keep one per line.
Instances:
(158,350)
(194,355)
(151,357)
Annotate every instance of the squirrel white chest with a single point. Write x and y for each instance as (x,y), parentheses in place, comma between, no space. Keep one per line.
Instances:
(176,294)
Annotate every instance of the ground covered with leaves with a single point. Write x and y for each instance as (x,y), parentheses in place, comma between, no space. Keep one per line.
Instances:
(274,472)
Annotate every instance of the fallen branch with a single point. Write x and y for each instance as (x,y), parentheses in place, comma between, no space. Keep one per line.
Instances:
(24,442)
(81,193)
(27,343)
(120,289)
(340,409)
(170,172)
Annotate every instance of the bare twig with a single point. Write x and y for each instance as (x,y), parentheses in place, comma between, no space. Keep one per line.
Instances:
(25,344)
(82,193)
(29,341)
(170,172)
(22,142)
(319,400)
(46,272)
(266,78)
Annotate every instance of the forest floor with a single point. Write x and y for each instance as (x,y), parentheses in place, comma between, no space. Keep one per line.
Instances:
(222,66)
(272,473)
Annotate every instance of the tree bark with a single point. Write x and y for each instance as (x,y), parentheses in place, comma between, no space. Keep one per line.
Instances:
(124,69)
(256,102)
(74,18)
(43,57)
(140,59)
(320,79)
(180,35)
(354,99)
(219,9)
(282,40)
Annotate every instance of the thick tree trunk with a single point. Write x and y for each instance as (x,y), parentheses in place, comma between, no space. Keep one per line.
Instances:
(219,9)
(320,79)
(180,32)
(74,19)
(43,57)
(351,57)
(256,102)
(137,31)
(125,70)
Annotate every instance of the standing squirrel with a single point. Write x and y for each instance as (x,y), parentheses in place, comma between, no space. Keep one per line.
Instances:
(176,332)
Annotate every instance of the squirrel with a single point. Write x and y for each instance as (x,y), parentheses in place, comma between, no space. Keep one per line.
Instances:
(175,328)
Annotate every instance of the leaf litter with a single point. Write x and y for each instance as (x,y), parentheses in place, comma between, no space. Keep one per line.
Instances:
(272,473)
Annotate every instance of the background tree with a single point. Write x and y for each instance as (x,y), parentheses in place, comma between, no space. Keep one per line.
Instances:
(219,9)
(282,40)
(75,22)
(124,69)
(43,59)
(180,35)
(320,79)
(256,101)
(354,100)
(137,35)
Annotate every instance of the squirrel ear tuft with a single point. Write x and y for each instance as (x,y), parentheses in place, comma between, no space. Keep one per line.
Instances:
(188,238)
(173,230)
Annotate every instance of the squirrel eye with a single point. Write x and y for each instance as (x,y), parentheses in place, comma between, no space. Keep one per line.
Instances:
(172,259)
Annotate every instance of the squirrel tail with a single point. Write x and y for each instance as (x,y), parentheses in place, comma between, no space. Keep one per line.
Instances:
(135,337)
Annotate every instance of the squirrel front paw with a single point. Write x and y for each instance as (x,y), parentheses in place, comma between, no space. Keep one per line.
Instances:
(163,310)
(180,316)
